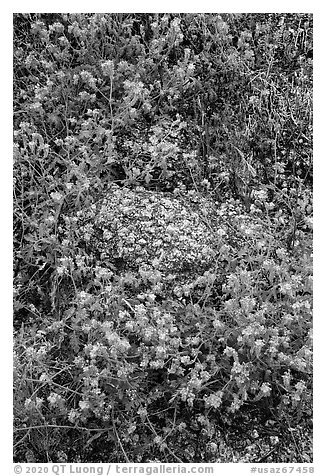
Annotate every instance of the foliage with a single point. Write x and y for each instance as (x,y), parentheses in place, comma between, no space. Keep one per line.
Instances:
(163,236)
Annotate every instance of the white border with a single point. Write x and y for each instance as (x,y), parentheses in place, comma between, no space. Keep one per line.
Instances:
(319,186)
(183,6)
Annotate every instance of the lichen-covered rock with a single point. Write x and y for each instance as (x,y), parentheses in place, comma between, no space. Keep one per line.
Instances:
(141,229)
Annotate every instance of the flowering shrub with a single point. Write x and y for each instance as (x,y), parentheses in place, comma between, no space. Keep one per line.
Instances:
(163,237)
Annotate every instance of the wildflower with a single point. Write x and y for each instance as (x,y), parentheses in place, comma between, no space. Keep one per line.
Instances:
(79,362)
(88,78)
(270,205)
(55,400)
(178,291)
(281,253)
(80,261)
(61,270)
(160,352)
(265,389)
(214,400)
(212,447)
(157,364)
(36,106)
(31,405)
(274,440)
(287,318)
(261,244)
(84,405)
(287,379)
(56,196)
(286,288)
(235,405)
(30,352)
(185,359)
(108,68)
(300,386)
(158,440)
(94,350)
(259,344)
(221,232)
(190,68)
(72,416)
(230,352)
(151,297)
(50,219)
(83,297)
(217,324)
(44,378)
(247,304)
